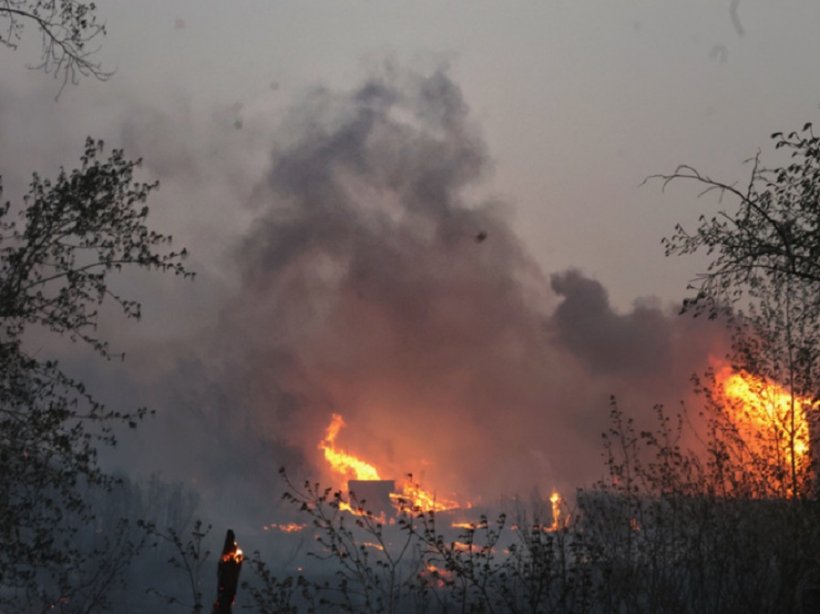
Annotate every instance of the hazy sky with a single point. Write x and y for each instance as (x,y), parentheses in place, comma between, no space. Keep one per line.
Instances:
(577,101)
(553,112)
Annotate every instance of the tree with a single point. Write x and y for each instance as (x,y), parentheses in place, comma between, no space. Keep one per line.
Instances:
(773,235)
(764,273)
(67,27)
(55,267)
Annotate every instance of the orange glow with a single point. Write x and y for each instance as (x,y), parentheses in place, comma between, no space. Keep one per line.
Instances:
(463,525)
(346,464)
(236,556)
(773,426)
(344,506)
(468,547)
(350,467)
(440,577)
(414,497)
(290,527)
(555,502)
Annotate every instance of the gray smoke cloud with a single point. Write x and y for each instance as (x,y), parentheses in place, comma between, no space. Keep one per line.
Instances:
(371,285)
(354,270)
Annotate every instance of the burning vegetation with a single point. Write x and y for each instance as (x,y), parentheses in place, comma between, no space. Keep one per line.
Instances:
(773,426)
(663,514)
(286,527)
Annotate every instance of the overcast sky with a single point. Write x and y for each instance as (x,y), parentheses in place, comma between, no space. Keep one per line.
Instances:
(577,101)
(568,104)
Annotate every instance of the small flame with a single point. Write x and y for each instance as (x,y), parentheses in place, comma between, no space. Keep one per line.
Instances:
(290,527)
(236,556)
(440,577)
(414,497)
(345,506)
(470,547)
(555,502)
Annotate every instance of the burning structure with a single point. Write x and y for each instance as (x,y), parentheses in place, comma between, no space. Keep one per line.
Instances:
(365,484)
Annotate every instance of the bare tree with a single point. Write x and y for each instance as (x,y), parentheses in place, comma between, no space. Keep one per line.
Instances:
(69,30)
(771,234)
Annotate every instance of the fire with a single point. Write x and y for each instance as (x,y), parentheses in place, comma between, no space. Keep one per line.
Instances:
(380,518)
(414,497)
(290,527)
(349,466)
(469,547)
(236,556)
(555,502)
(440,577)
(342,462)
(772,425)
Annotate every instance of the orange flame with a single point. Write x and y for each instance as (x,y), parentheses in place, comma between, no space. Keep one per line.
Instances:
(290,527)
(436,575)
(555,501)
(236,556)
(349,466)
(469,547)
(342,462)
(380,518)
(414,497)
(771,423)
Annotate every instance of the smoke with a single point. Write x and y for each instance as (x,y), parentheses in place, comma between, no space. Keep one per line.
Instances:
(353,269)
(372,285)
(646,344)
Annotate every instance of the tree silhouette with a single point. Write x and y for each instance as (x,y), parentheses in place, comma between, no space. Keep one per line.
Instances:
(764,271)
(56,261)
(68,28)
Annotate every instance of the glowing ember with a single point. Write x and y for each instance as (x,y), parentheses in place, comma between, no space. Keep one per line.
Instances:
(439,577)
(773,426)
(463,525)
(236,556)
(350,467)
(469,547)
(290,527)
(555,501)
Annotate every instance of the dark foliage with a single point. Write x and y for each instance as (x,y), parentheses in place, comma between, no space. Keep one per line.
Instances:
(55,268)
(68,29)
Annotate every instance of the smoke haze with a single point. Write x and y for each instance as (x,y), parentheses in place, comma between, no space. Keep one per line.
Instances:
(372,283)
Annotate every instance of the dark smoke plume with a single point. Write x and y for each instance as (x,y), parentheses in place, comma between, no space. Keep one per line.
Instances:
(373,286)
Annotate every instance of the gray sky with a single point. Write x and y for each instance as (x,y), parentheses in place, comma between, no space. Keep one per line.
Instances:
(577,101)
(574,102)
